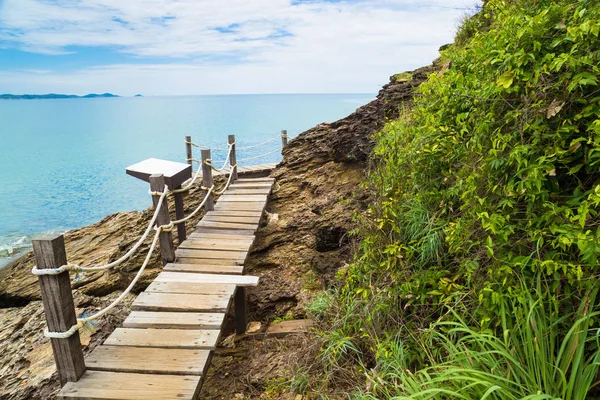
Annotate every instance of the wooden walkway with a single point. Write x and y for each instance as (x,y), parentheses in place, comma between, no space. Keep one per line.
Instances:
(165,345)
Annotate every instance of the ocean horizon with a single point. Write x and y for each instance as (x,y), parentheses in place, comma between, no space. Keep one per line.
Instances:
(62,161)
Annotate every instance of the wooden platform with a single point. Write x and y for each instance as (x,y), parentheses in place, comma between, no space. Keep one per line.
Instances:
(251,170)
(165,345)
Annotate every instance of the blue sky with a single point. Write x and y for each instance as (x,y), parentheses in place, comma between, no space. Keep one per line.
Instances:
(183,47)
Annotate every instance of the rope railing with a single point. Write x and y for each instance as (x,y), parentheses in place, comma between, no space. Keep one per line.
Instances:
(282,135)
(125,257)
(204,147)
(260,156)
(82,322)
(260,144)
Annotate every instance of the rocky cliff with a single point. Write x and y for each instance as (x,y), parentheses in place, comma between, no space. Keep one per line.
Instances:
(303,242)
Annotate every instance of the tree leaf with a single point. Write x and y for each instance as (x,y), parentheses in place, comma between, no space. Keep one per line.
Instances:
(506,80)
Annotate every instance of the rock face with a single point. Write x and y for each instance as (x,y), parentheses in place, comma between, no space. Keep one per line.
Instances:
(317,193)
(306,237)
(303,243)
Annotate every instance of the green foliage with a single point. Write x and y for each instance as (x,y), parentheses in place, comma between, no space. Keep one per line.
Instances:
(403,77)
(532,357)
(491,179)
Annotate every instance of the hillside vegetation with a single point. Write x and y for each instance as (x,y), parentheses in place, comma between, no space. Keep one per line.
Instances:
(478,268)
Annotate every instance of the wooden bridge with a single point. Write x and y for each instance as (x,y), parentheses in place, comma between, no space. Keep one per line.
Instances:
(165,345)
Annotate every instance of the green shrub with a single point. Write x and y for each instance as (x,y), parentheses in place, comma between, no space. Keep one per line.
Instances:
(532,357)
(492,178)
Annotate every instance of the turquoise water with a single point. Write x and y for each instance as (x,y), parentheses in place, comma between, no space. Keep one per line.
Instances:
(62,162)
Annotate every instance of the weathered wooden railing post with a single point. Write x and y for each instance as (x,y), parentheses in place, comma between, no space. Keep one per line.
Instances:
(284,139)
(207,179)
(241,310)
(233,158)
(188,150)
(49,251)
(167,248)
(179,214)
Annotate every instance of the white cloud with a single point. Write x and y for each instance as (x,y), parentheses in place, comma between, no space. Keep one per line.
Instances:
(268,46)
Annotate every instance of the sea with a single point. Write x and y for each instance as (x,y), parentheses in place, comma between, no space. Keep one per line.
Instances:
(63,161)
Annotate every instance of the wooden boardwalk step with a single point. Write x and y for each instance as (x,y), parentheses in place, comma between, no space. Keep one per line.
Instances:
(225,237)
(165,338)
(239,280)
(174,320)
(98,385)
(251,185)
(215,244)
(234,256)
(227,225)
(155,301)
(187,256)
(240,206)
(233,213)
(239,232)
(192,288)
(243,198)
(205,268)
(231,219)
(148,360)
(250,191)
(254,180)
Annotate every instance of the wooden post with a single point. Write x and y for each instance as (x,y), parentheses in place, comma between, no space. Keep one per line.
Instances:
(233,159)
(241,310)
(207,179)
(49,251)
(188,149)
(284,139)
(167,249)
(180,213)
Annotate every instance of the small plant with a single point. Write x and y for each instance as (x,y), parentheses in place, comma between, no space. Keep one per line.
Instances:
(403,77)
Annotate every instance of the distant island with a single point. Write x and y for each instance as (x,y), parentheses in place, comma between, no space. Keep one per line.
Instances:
(138,95)
(53,96)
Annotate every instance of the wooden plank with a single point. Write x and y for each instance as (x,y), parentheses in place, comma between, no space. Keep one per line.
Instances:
(225,231)
(243,198)
(227,225)
(165,338)
(204,268)
(250,185)
(148,360)
(154,301)
(173,320)
(194,288)
(232,219)
(227,237)
(217,244)
(207,178)
(59,308)
(243,280)
(284,328)
(206,261)
(216,254)
(238,206)
(99,385)
(252,192)
(234,213)
(241,310)
(223,257)
(254,180)
(167,248)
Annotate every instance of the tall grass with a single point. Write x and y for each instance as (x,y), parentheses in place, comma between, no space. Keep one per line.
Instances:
(538,354)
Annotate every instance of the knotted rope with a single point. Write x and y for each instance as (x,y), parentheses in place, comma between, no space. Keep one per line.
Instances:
(260,156)
(260,144)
